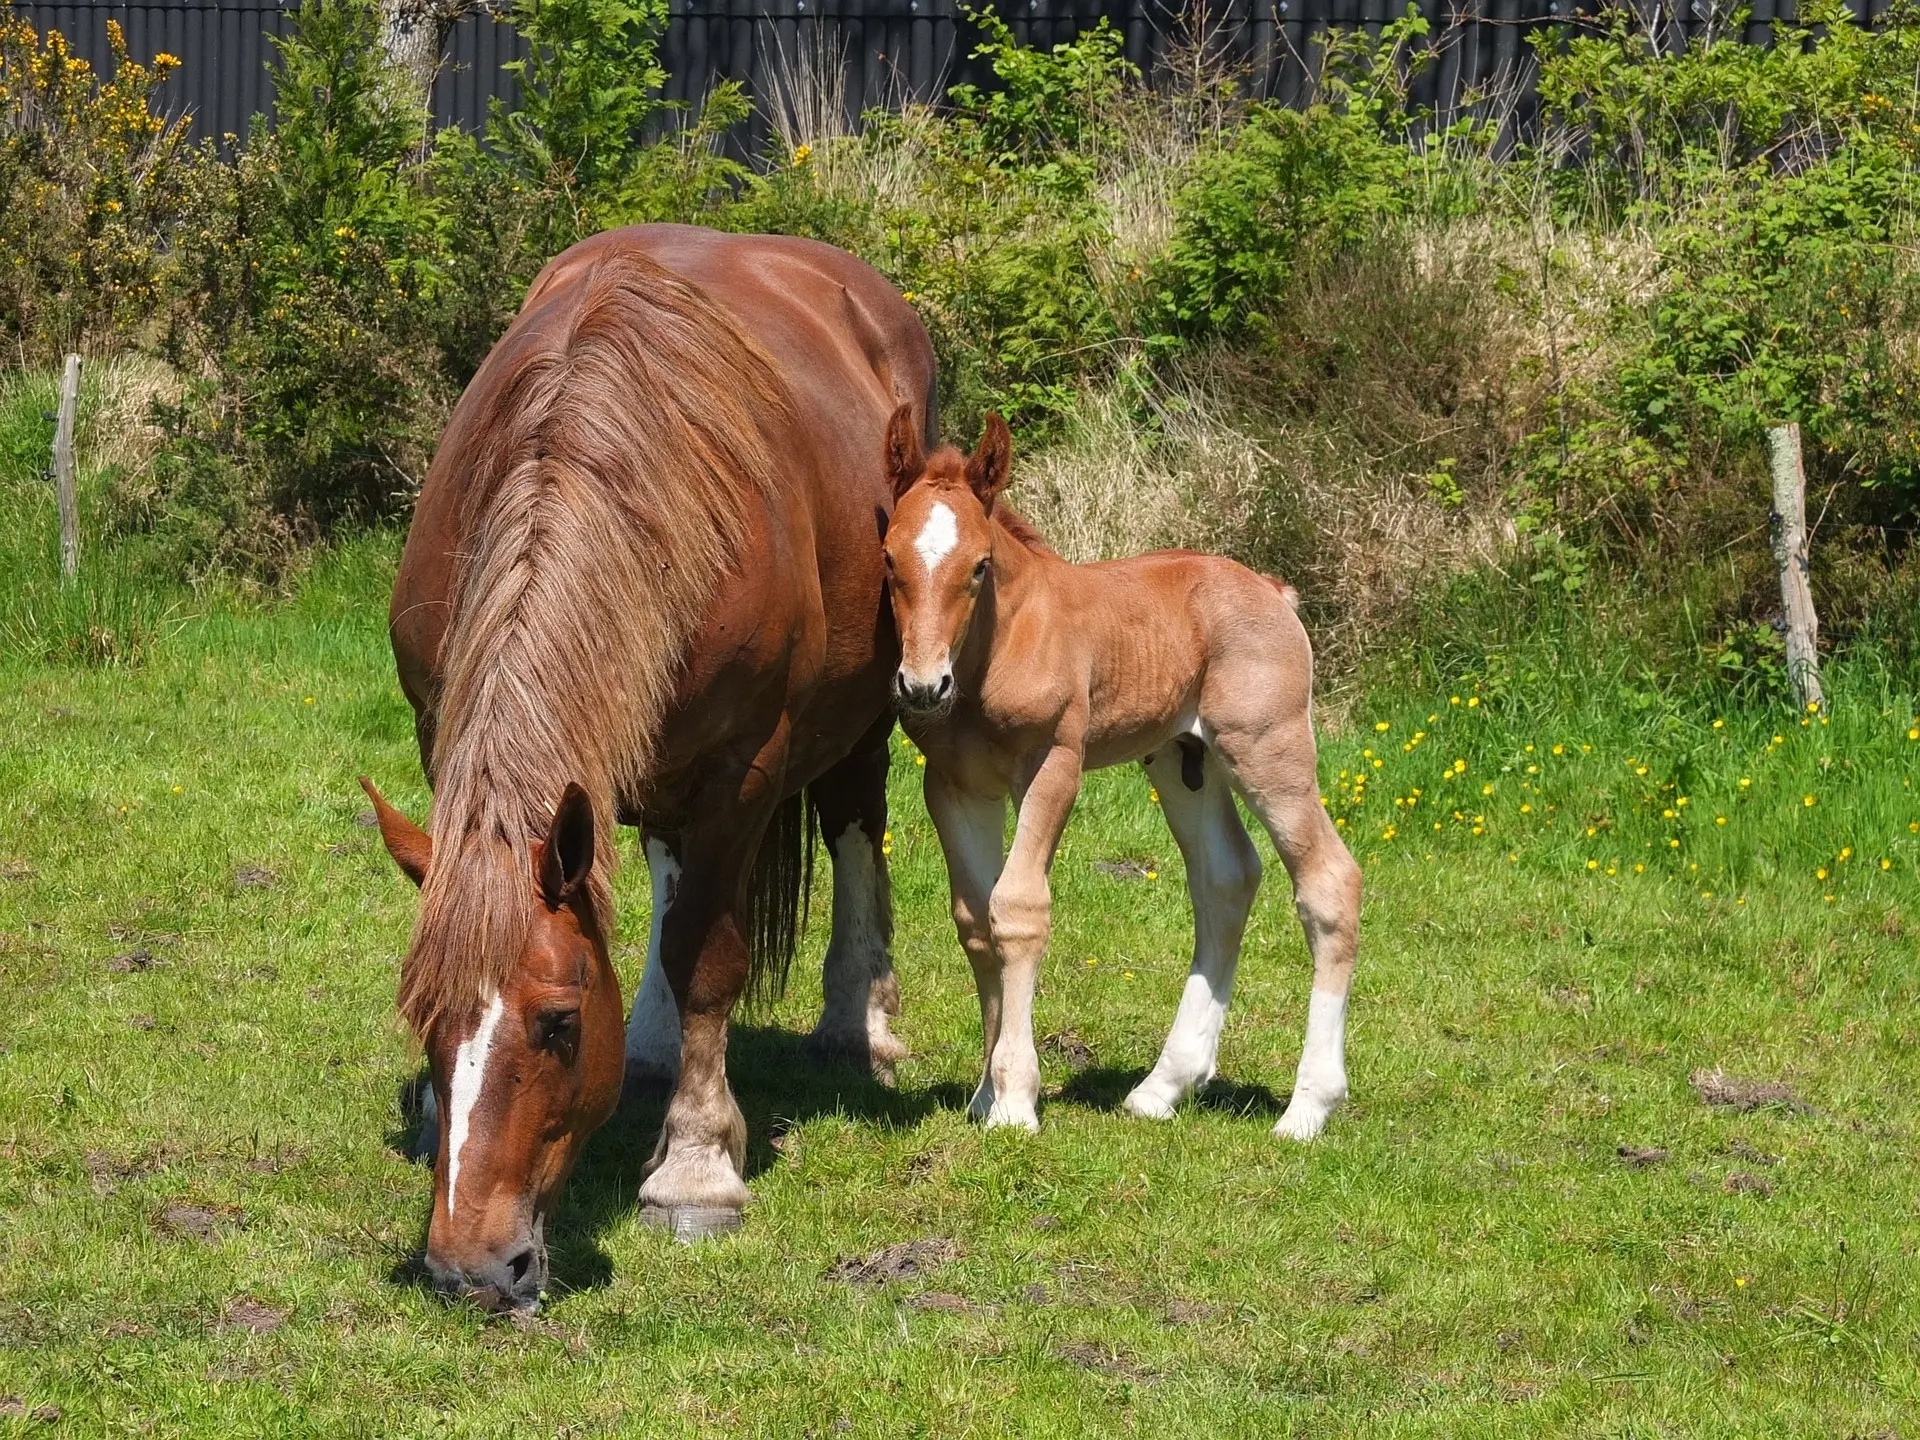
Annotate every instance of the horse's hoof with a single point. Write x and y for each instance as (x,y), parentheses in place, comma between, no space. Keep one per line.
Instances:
(688,1223)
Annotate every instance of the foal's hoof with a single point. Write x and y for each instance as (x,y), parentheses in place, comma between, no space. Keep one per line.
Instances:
(688,1223)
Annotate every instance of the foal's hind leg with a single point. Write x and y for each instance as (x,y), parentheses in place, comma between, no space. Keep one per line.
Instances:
(857,977)
(1273,768)
(1223,875)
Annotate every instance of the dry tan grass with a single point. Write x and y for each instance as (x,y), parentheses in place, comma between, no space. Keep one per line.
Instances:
(116,429)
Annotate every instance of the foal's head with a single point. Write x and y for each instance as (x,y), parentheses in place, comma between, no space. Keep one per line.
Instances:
(523,1070)
(939,552)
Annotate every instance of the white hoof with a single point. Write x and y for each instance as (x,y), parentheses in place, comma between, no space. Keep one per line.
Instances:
(1013,1114)
(981,1105)
(1306,1117)
(1153,1099)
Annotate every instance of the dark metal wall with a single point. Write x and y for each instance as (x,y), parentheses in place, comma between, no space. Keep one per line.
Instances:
(887,50)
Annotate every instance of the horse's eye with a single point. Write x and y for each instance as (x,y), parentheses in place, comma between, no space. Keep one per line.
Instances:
(886,557)
(557,1031)
(980,570)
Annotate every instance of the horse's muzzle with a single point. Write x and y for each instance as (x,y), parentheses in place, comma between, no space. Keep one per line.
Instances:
(512,1280)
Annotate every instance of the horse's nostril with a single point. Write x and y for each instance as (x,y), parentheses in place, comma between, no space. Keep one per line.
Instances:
(946,684)
(519,1265)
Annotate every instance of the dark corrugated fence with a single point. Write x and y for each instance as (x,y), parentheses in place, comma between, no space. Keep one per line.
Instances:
(883,51)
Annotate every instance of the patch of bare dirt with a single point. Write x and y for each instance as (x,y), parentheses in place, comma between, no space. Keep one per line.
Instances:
(12,1407)
(131,962)
(255,877)
(1068,1045)
(278,1160)
(1046,1222)
(944,1302)
(367,820)
(1105,1360)
(1752,1154)
(1190,1312)
(242,1313)
(189,1220)
(1037,1295)
(1138,869)
(16,869)
(1742,1183)
(1638,1157)
(904,1261)
(1723,1091)
(142,1021)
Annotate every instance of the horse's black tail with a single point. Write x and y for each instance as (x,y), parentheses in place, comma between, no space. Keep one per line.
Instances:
(779,895)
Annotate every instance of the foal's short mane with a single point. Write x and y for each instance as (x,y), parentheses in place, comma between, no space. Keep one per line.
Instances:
(618,451)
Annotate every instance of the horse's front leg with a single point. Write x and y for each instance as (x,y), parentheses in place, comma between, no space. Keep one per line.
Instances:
(1020,917)
(971,827)
(694,1183)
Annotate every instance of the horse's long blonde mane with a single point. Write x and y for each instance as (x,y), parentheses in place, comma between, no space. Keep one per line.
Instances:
(610,477)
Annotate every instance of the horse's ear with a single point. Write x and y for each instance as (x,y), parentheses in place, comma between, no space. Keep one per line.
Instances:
(409,845)
(567,857)
(905,459)
(987,469)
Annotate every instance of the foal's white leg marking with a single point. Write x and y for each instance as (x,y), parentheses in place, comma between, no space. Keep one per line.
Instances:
(972,830)
(463,1090)
(937,537)
(854,1011)
(1321,1082)
(1223,874)
(653,1030)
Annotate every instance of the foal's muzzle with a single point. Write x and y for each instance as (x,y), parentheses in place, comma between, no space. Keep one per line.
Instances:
(923,696)
(511,1279)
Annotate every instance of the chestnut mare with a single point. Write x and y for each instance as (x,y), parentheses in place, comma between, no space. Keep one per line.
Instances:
(643,585)
(1019,671)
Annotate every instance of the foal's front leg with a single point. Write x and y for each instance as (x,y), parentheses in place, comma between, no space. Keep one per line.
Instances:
(1020,917)
(971,827)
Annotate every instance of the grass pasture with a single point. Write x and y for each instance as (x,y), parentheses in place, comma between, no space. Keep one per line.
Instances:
(206,1223)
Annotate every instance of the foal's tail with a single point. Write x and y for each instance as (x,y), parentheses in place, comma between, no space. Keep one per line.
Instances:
(777,896)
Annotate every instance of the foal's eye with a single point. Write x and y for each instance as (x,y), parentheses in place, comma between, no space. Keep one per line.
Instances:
(980,571)
(557,1031)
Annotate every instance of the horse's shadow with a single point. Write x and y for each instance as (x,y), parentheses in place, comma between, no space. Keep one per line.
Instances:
(1104,1087)
(778,1087)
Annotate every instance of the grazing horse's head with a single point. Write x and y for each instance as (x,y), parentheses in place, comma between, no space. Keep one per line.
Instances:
(523,1069)
(939,553)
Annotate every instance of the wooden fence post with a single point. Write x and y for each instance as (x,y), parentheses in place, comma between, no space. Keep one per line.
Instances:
(1789,523)
(63,471)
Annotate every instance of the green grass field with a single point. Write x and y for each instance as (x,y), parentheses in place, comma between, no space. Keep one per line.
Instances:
(208,1226)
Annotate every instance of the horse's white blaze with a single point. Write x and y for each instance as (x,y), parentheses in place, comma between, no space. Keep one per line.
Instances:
(463,1090)
(653,1030)
(937,537)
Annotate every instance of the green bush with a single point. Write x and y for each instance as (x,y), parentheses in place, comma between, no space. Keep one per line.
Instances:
(92,184)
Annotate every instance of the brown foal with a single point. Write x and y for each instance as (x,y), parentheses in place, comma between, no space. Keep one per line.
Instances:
(1020,671)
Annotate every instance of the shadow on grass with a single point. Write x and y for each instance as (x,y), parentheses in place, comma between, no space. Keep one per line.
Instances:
(777,1086)
(1103,1087)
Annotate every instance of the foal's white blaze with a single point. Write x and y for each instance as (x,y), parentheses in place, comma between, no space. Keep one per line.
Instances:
(463,1090)
(653,1030)
(937,537)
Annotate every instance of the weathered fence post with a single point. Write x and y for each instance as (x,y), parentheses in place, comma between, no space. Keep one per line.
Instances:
(1789,523)
(63,471)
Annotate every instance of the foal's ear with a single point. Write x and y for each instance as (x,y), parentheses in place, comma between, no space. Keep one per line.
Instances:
(906,461)
(409,845)
(567,857)
(987,469)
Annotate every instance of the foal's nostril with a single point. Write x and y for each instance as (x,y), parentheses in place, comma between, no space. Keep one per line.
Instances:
(945,687)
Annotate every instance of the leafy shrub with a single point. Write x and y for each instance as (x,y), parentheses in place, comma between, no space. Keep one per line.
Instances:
(92,181)
(308,292)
